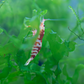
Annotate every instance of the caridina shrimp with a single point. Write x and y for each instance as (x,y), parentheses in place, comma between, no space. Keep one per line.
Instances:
(38,44)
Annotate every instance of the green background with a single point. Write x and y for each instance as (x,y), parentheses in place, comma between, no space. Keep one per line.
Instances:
(61,58)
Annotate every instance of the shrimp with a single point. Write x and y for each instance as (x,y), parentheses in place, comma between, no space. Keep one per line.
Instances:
(38,44)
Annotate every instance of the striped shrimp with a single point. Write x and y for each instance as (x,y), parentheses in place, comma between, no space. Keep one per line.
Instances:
(38,44)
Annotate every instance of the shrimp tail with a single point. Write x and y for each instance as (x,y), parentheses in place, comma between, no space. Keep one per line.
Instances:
(28,61)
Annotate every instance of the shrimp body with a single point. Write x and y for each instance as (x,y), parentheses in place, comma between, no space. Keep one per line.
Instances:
(38,44)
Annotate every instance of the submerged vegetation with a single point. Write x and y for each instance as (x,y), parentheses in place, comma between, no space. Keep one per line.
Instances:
(61,58)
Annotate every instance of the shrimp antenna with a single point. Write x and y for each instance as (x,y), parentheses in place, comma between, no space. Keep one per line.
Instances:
(56,19)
